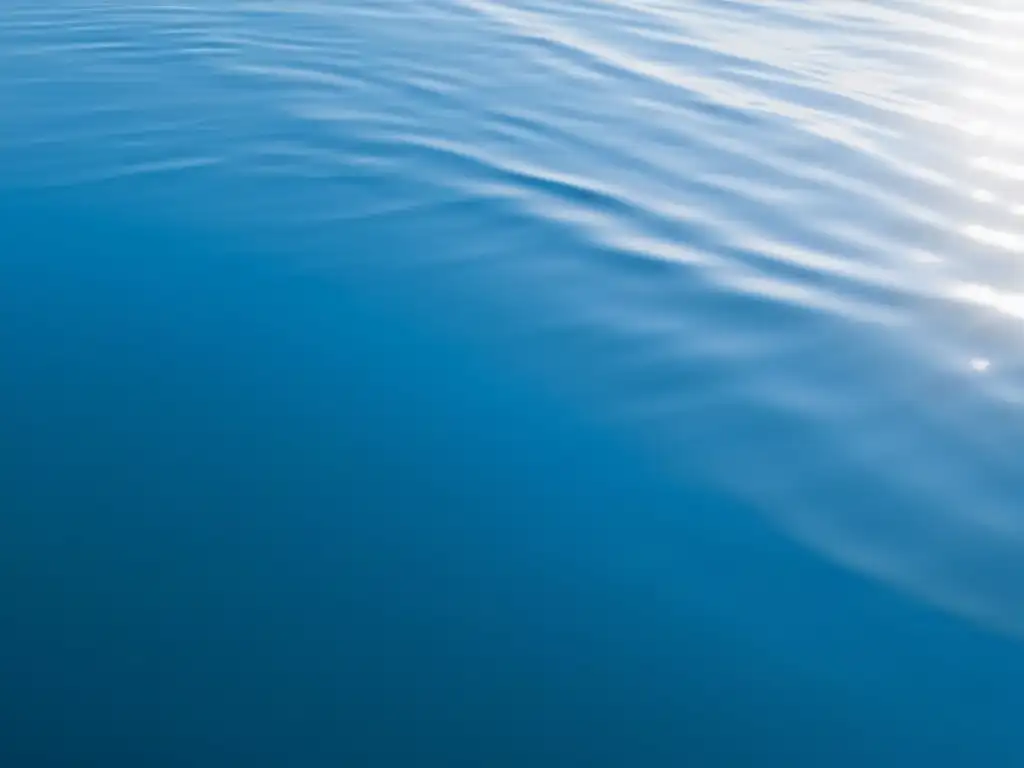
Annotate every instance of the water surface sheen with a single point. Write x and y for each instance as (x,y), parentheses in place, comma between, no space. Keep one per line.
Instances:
(493,383)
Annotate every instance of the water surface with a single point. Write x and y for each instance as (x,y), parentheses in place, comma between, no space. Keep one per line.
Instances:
(472,382)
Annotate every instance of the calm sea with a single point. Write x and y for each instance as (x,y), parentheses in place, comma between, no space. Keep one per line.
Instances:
(508,383)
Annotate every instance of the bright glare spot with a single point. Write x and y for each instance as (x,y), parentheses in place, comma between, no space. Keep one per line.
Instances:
(983,196)
(978,128)
(1005,240)
(980,364)
(999,168)
(1007,303)
(993,99)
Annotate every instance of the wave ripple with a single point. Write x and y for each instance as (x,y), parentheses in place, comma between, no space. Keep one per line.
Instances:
(776,242)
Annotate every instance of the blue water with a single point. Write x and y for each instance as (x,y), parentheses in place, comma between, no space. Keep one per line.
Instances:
(493,383)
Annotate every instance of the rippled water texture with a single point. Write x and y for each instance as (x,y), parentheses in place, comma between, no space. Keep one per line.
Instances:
(773,247)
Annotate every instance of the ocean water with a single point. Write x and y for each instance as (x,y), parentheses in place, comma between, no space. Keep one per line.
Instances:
(493,383)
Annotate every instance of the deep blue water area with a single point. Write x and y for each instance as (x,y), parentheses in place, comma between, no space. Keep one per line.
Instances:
(479,383)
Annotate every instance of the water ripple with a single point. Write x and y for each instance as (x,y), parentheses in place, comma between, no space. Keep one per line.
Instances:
(816,208)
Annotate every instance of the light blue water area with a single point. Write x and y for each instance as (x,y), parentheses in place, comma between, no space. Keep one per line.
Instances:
(492,383)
